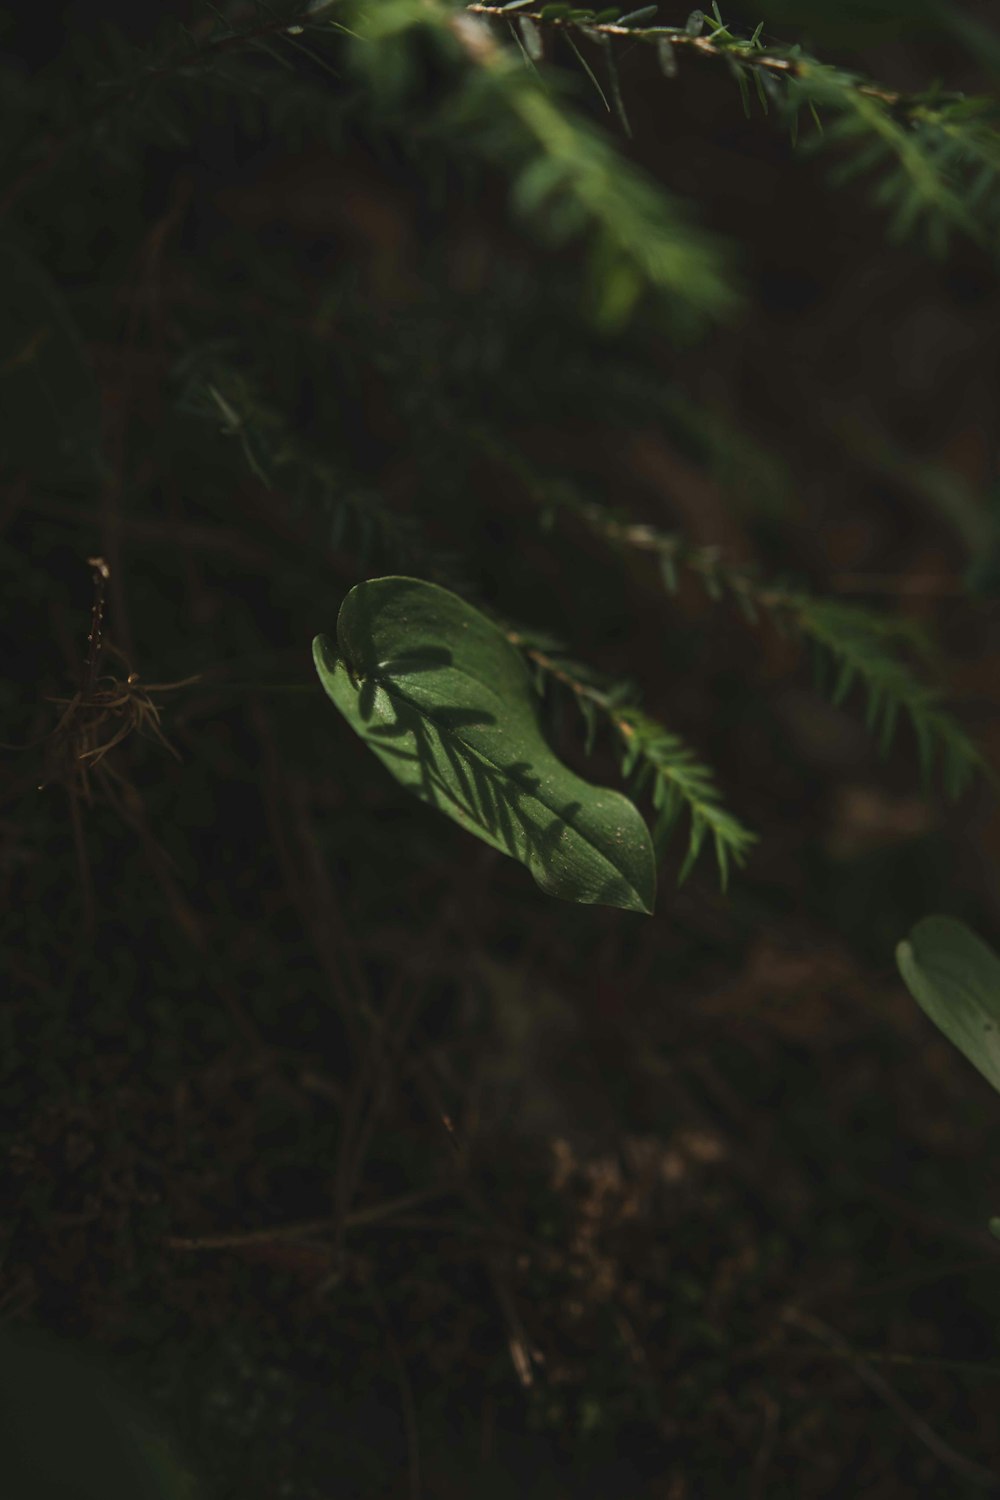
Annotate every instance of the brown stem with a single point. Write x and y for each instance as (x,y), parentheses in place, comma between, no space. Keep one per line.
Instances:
(101,576)
(704,44)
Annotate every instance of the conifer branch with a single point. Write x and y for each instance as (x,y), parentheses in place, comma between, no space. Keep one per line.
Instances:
(939,160)
(352,514)
(857,644)
(652,758)
(939,152)
(721,44)
(862,646)
(568,178)
(129,90)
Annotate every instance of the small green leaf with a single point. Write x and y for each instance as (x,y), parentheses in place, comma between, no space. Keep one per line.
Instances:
(748,608)
(694,848)
(589,713)
(955,978)
(616,88)
(446,703)
(740,77)
(639,17)
(761,92)
(531,37)
(585,65)
(667,57)
(713,587)
(615,295)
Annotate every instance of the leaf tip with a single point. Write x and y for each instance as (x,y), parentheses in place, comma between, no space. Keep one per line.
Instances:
(324,654)
(644,905)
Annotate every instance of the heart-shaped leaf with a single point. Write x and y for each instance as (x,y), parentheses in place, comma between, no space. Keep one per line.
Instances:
(955,977)
(445,701)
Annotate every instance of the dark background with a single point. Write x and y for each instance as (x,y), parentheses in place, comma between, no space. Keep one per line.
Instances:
(626,1197)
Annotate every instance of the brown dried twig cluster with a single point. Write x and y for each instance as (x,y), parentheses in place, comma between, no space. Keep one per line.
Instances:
(80,742)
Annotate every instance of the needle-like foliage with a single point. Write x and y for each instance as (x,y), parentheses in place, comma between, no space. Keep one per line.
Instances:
(264,369)
(936,155)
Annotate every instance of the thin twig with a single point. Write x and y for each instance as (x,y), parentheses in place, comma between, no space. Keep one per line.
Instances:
(276,798)
(678,37)
(970,1471)
(94,639)
(524,1356)
(306,1229)
(405,1391)
(358,1122)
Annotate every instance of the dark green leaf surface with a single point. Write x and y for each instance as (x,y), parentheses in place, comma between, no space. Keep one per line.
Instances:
(445,701)
(955,977)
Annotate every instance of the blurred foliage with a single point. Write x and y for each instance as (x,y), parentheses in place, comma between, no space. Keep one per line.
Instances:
(368,1169)
(66,1429)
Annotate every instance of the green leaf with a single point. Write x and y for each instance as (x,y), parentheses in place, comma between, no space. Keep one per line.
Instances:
(761,91)
(532,38)
(616,88)
(446,703)
(740,77)
(667,57)
(585,65)
(955,978)
(638,17)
